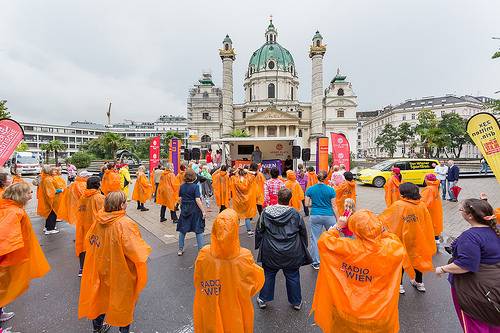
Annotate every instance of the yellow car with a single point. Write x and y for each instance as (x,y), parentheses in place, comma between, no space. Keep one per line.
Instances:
(412,170)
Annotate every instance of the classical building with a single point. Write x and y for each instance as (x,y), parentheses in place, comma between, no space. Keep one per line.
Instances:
(373,122)
(271,107)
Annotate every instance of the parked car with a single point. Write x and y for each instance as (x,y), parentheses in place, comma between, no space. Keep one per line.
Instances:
(25,163)
(412,170)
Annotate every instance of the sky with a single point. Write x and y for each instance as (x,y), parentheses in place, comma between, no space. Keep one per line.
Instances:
(62,61)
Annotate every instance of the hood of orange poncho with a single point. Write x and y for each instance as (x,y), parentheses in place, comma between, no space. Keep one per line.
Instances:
(225,242)
(109,217)
(290,175)
(88,193)
(366,226)
(434,183)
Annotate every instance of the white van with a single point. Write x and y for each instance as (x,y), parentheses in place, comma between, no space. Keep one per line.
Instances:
(25,163)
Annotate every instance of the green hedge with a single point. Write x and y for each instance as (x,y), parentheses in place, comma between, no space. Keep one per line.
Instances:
(81,159)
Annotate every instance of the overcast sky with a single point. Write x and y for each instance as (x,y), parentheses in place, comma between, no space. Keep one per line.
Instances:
(63,60)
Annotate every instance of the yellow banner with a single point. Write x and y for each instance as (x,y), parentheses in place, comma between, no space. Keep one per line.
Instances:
(484,130)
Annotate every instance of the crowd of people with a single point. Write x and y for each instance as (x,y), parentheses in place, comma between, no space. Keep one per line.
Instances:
(361,257)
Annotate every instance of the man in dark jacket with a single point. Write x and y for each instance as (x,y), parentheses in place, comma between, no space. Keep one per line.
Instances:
(452,178)
(281,238)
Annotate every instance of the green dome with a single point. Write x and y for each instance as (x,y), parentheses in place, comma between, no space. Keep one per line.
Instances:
(271,51)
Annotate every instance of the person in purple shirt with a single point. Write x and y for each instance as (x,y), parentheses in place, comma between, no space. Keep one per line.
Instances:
(476,250)
(302,177)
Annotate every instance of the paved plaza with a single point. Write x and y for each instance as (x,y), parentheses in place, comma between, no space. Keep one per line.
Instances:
(51,303)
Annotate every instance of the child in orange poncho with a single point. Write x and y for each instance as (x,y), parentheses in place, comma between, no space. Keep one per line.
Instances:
(244,197)
(357,285)
(143,189)
(69,203)
(115,270)
(220,184)
(259,182)
(90,203)
(346,190)
(297,193)
(21,257)
(430,195)
(391,187)
(167,194)
(111,180)
(225,279)
(410,220)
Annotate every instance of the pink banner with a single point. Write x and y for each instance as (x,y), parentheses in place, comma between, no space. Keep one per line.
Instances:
(154,154)
(341,152)
(11,134)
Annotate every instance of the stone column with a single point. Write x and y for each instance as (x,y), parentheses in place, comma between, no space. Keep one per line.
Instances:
(317,95)
(287,130)
(227,55)
(265,131)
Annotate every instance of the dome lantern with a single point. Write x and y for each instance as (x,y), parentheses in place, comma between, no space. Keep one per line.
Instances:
(271,32)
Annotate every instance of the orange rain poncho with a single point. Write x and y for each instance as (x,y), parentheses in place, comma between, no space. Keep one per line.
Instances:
(46,194)
(60,186)
(312,179)
(220,184)
(115,270)
(111,182)
(391,188)
(225,279)
(142,188)
(21,257)
(497,213)
(16,179)
(345,190)
(243,195)
(260,180)
(357,289)
(297,193)
(69,203)
(168,190)
(89,205)
(180,177)
(432,199)
(411,222)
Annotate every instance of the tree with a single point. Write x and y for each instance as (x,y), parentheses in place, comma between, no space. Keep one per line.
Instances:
(405,133)
(106,145)
(387,139)
(427,130)
(141,148)
(169,135)
(454,131)
(3,109)
(56,146)
(81,159)
(22,146)
(239,133)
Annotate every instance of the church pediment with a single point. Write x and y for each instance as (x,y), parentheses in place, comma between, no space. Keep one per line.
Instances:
(271,114)
(340,101)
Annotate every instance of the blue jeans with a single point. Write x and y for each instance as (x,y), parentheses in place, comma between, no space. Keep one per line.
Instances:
(292,277)
(199,240)
(443,189)
(248,224)
(318,222)
(450,192)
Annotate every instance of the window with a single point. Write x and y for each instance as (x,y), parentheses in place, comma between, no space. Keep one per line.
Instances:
(226,47)
(271,91)
(244,114)
(251,91)
(359,137)
(291,93)
(318,43)
(340,113)
(300,114)
(251,70)
(340,92)
(443,113)
(401,165)
(271,65)
(404,117)
(300,133)
(413,116)
(206,116)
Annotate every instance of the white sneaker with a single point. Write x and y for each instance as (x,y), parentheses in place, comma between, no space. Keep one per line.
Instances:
(51,232)
(6,316)
(401,289)
(250,233)
(418,285)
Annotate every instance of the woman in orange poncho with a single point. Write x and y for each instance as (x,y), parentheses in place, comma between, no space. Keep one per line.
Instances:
(69,203)
(357,285)
(346,190)
(432,199)
(225,279)
(111,180)
(312,178)
(220,184)
(391,187)
(115,270)
(142,189)
(46,194)
(90,203)
(244,197)
(21,257)
(167,194)
(60,186)
(297,193)
(410,220)
(259,182)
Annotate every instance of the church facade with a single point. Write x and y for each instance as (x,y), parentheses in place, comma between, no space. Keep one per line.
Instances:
(271,107)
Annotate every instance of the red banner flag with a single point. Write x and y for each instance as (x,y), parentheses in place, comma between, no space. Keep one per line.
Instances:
(11,133)
(341,152)
(154,155)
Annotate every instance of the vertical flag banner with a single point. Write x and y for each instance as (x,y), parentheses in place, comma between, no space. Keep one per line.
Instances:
(11,134)
(322,154)
(174,155)
(154,155)
(341,151)
(484,130)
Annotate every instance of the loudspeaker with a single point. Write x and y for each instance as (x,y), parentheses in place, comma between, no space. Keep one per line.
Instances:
(295,152)
(306,154)
(187,154)
(195,154)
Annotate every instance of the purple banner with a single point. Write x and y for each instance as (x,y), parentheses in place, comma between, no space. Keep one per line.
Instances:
(272,164)
(175,154)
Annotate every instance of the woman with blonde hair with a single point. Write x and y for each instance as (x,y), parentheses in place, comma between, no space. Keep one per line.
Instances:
(142,189)
(115,270)
(21,256)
